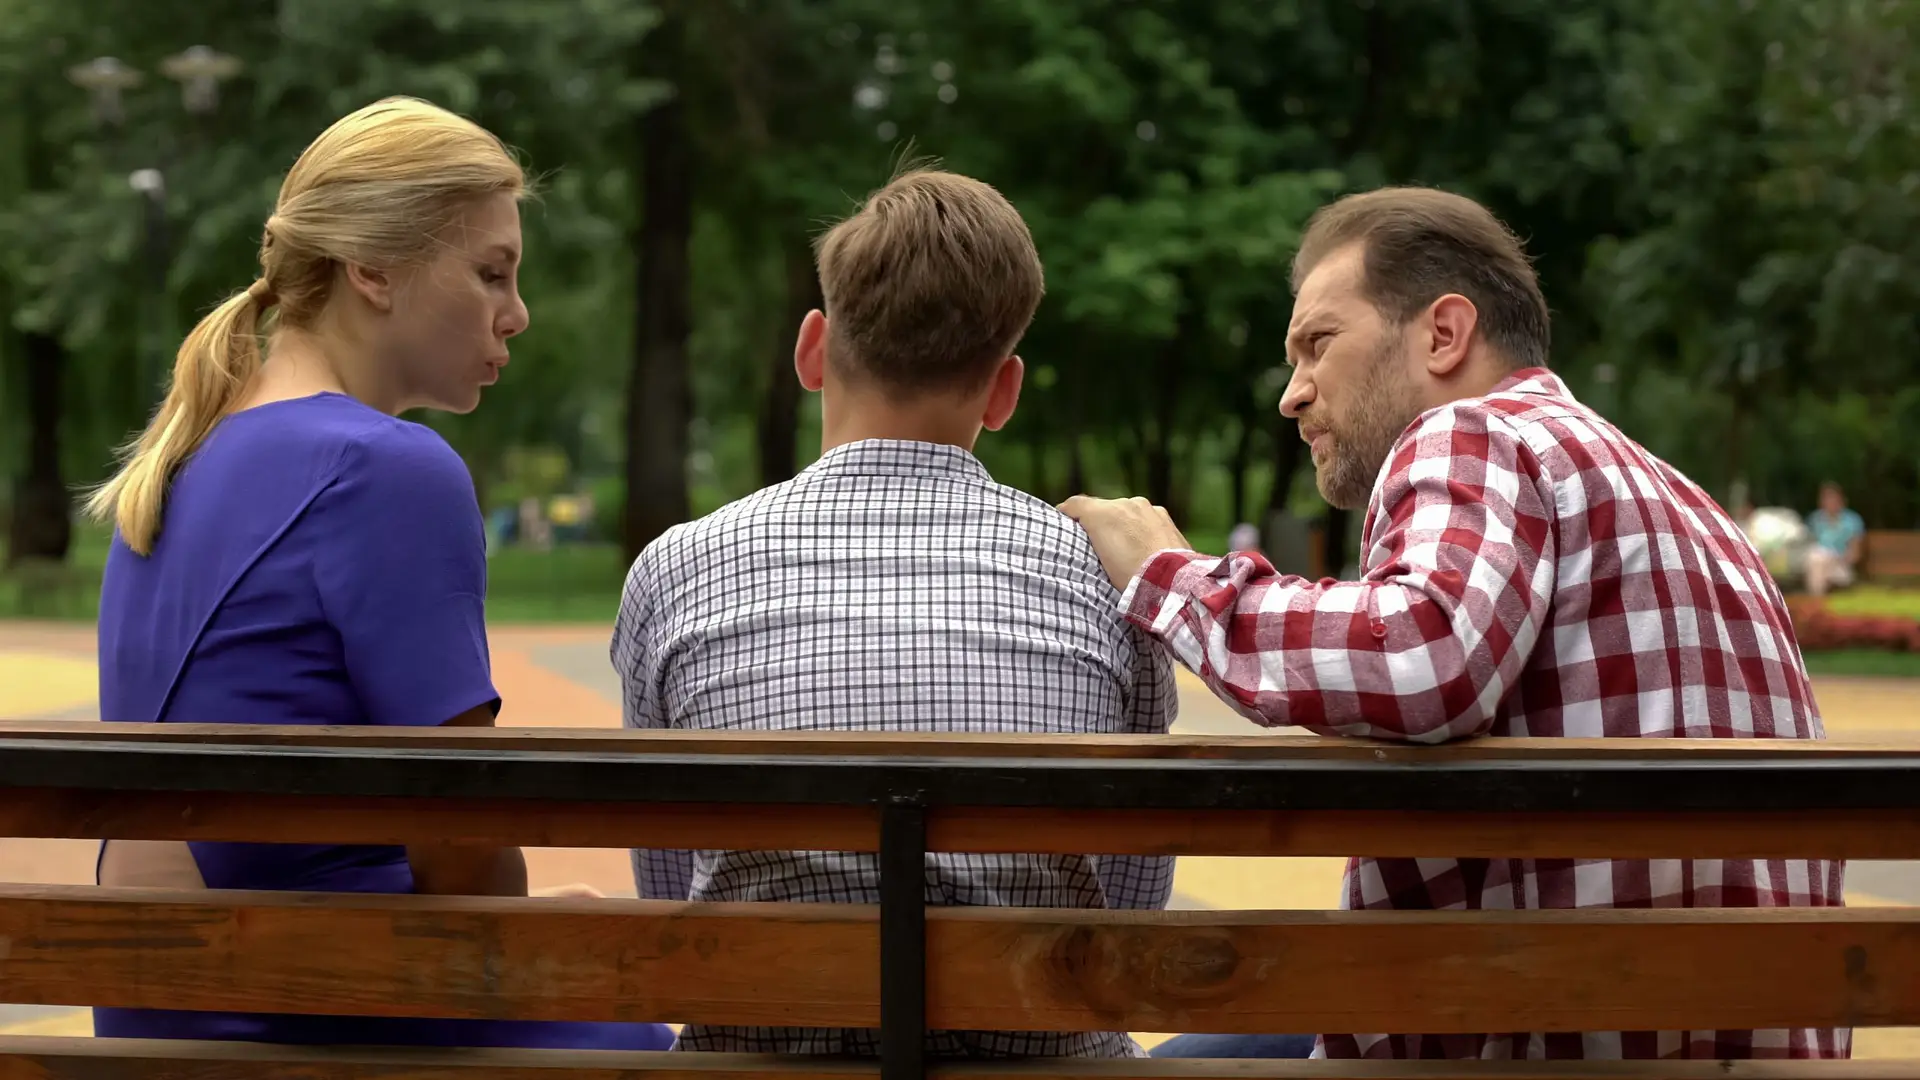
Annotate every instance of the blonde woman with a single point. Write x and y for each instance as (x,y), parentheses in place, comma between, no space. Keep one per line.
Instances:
(288,551)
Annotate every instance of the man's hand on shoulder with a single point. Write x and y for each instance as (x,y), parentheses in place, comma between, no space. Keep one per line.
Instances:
(1125,532)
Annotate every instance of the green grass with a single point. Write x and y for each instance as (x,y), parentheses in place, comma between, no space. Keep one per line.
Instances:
(581,584)
(575,583)
(1864,662)
(1876,600)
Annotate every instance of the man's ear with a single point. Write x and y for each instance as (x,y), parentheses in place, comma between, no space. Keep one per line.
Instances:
(374,286)
(1450,324)
(1005,393)
(810,351)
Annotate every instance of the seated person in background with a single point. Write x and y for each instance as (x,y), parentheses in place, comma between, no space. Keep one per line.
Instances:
(1839,540)
(893,586)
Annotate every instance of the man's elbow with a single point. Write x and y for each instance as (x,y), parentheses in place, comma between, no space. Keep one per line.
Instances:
(1463,705)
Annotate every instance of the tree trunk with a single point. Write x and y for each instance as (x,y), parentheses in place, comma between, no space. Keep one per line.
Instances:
(1335,541)
(779,425)
(659,395)
(1175,358)
(1238,466)
(1287,449)
(41,525)
(42,521)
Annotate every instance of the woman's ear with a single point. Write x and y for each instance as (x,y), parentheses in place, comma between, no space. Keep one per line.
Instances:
(374,286)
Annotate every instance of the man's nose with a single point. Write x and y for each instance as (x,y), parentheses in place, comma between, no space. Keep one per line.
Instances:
(1297,396)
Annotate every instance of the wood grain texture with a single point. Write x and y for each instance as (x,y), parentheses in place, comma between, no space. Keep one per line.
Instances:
(462,957)
(1832,834)
(113,1059)
(135,815)
(1255,745)
(988,968)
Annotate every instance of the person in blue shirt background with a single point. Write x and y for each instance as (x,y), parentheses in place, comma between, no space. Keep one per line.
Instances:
(287,550)
(1838,541)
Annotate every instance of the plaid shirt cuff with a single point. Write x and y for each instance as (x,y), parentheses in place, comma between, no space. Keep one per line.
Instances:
(1157,594)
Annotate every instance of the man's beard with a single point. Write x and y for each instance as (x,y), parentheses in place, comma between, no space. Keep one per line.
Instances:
(1359,442)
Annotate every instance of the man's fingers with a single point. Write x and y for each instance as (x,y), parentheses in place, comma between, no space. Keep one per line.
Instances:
(1075,506)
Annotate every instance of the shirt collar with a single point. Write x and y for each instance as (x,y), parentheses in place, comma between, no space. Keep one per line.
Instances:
(1533,380)
(899,457)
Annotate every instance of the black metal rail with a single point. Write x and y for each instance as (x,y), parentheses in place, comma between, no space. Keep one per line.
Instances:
(1545,782)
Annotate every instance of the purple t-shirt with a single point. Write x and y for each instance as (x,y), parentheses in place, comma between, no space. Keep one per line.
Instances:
(320,562)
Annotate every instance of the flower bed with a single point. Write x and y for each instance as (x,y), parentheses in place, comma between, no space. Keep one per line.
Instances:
(1819,629)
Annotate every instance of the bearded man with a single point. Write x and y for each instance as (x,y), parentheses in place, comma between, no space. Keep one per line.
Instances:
(1526,570)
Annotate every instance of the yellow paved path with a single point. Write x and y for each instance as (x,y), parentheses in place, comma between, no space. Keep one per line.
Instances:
(554,677)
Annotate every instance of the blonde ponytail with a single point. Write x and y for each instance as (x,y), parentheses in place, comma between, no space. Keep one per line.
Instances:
(214,365)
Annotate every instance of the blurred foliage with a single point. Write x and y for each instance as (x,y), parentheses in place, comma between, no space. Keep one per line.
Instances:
(1720,195)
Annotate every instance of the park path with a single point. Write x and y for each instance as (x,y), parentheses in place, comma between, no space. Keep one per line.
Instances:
(560,677)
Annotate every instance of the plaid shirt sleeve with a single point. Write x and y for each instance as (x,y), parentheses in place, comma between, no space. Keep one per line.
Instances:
(658,874)
(1461,557)
(1143,882)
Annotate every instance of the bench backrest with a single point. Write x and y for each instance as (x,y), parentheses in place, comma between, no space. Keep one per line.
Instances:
(1891,555)
(900,966)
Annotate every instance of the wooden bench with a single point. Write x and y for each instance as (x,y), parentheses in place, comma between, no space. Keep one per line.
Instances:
(903,967)
(1891,555)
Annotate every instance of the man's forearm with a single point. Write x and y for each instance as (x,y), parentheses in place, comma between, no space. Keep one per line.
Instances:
(1384,660)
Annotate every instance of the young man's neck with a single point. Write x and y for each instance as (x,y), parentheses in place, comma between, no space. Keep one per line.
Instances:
(854,417)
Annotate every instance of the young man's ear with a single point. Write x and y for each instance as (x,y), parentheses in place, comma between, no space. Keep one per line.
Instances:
(810,351)
(1005,394)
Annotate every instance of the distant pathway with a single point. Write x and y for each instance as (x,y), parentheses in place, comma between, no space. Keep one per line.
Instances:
(560,677)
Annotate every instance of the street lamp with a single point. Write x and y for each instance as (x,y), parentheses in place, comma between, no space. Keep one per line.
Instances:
(105,77)
(199,69)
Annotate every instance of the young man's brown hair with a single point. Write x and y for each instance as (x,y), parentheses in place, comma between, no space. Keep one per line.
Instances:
(931,282)
(1422,244)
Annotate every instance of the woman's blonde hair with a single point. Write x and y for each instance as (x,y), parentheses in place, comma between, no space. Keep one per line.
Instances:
(375,189)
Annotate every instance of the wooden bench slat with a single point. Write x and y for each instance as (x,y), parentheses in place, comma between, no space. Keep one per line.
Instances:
(24,1058)
(137,815)
(1256,744)
(988,968)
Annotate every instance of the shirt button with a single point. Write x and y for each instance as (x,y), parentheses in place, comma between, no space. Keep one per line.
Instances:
(1379,629)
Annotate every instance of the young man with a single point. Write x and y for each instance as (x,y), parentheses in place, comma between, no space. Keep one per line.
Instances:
(893,586)
(1526,570)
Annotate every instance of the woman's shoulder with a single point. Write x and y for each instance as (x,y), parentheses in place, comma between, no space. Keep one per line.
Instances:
(371,451)
(404,451)
(355,456)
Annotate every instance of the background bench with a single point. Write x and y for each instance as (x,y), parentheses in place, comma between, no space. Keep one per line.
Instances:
(903,967)
(1891,555)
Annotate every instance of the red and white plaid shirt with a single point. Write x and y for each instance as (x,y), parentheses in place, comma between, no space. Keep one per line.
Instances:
(1527,570)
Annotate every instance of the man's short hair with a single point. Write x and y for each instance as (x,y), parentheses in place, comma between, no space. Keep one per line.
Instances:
(931,282)
(1422,244)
